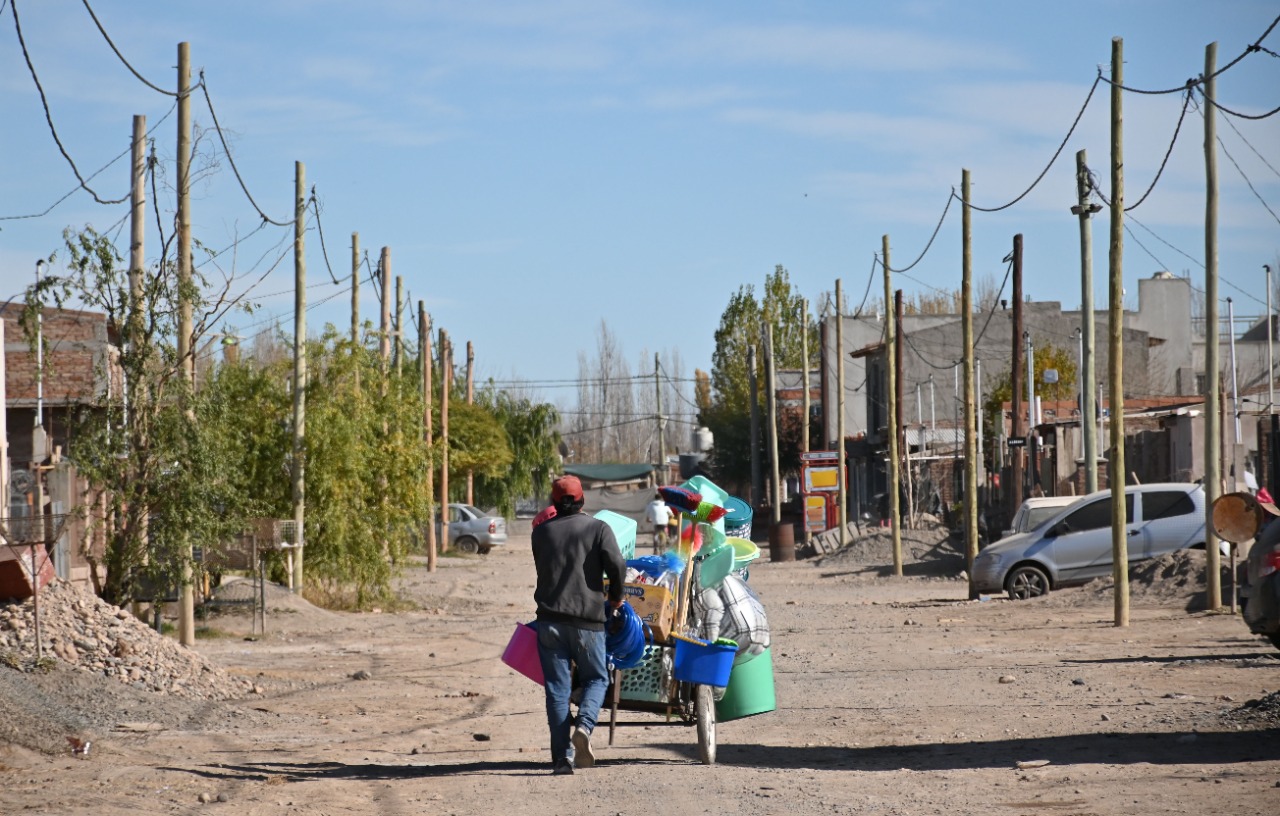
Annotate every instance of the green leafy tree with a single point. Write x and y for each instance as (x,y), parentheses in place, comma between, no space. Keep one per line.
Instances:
(153,451)
(531,436)
(1044,357)
(728,414)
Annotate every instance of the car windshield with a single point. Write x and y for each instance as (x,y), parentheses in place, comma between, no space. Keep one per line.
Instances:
(1037,516)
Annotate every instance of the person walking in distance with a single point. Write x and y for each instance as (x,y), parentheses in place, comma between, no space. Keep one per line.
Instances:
(572,553)
(658,514)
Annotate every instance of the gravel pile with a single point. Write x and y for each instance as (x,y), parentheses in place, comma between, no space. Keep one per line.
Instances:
(81,630)
(1263,711)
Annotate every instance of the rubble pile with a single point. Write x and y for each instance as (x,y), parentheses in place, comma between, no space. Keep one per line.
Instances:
(85,632)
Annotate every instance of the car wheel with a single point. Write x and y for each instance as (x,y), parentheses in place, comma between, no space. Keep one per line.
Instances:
(1274,637)
(467,545)
(1026,582)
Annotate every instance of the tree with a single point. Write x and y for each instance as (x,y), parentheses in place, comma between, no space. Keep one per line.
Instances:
(728,415)
(167,478)
(1044,358)
(530,430)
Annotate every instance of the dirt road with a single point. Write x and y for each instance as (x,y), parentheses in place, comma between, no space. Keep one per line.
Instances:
(895,696)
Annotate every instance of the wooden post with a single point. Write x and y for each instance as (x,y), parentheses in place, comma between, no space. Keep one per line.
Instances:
(1016,431)
(891,413)
(900,403)
(299,372)
(398,324)
(753,384)
(1115,330)
(355,289)
(842,479)
(424,351)
(971,456)
(1088,405)
(804,408)
(186,614)
(384,331)
(446,380)
(662,438)
(771,397)
(1213,374)
(471,399)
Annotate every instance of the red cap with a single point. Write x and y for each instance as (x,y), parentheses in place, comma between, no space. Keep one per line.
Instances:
(566,487)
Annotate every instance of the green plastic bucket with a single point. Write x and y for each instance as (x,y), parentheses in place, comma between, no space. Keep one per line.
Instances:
(750,689)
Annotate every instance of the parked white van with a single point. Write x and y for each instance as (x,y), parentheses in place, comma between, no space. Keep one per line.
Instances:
(1074,546)
(1035,510)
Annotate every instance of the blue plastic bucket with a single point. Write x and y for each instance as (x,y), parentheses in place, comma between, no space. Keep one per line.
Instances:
(697,661)
(737,522)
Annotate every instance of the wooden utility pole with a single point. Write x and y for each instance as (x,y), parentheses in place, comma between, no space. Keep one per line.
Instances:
(662,435)
(355,290)
(471,400)
(137,231)
(187,596)
(1016,430)
(891,412)
(900,404)
(299,371)
(1115,330)
(446,381)
(842,479)
(804,407)
(753,384)
(398,352)
(1213,373)
(424,351)
(1088,406)
(384,330)
(771,395)
(971,456)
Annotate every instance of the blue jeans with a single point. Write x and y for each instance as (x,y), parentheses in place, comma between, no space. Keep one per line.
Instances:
(558,644)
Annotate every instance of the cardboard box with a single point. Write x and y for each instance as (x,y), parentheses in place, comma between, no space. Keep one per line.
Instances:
(656,606)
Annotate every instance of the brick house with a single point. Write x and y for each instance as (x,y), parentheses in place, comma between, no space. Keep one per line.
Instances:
(80,369)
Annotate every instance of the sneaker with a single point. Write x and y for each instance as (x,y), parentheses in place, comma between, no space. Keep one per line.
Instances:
(562,768)
(582,756)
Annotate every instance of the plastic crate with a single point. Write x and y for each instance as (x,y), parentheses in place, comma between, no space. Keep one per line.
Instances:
(647,680)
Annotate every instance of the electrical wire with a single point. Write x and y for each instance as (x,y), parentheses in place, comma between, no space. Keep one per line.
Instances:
(230,160)
(1186,101)
(95,174)
(870,279)
(48,116)
(1261,158)
(107,37)
(315,206)
(1191,83)
(1240,170)
(936,229)
(1053,159)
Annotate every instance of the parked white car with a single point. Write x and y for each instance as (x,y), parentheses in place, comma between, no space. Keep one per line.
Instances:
(1074,546)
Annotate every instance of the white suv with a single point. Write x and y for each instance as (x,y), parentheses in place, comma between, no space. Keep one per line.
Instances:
(1074,546)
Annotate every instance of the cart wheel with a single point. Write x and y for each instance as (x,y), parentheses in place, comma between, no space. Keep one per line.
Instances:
(706,711)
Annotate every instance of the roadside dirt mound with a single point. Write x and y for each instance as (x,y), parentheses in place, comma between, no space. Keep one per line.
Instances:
(1174,579)
(98,666)
(929,550)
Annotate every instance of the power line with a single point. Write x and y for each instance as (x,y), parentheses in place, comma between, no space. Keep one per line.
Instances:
(230,160)
(870,279)
(107,37)
(1261,158)
(1186,100)
(48,116)
(1053,159)
(95,174)
(1240,170)
(315,206)
(936,229)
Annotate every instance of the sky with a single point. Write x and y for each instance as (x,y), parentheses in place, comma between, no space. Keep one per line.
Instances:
(540,169)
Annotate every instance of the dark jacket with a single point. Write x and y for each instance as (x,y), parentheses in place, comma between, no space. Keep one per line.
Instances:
(573,554)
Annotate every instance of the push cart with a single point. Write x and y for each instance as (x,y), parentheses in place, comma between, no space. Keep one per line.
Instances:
(651,687)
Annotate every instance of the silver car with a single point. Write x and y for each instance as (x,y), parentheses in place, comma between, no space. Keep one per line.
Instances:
(472,530)
(1074,545)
